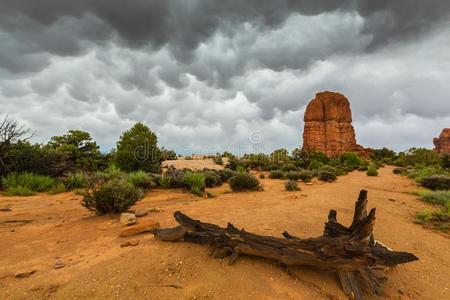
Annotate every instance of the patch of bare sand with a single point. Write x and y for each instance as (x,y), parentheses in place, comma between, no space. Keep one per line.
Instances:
(96,267)
(193,164)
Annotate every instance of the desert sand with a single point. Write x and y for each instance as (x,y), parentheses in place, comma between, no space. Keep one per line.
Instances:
(96,267)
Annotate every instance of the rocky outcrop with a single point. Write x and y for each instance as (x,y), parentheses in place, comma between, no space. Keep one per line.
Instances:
(328,125)
(442,143)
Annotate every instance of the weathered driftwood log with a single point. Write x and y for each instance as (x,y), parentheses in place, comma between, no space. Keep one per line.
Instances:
(351,251)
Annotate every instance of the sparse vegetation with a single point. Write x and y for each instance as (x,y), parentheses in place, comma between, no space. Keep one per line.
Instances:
(436,182)
(244,181)
(291,185)
(439,219)
(114,196)
(27,183)
(276,174)
(372,170)
(327,175)
(77,180)
(195,182)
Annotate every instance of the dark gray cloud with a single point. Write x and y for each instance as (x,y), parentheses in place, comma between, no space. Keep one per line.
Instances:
(204,73)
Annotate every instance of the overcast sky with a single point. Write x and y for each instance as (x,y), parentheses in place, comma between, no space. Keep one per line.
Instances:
(216,75)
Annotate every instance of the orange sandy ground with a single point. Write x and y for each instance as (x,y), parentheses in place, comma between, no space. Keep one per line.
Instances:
(97,268)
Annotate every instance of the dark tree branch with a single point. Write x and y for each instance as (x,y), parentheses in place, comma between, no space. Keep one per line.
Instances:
(350,251)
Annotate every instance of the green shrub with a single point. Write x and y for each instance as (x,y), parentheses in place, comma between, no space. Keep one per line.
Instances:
(57,189)
(114,196)
(276,174)
(112,172)
(372,170)
(28,181)
(195,181)
(327,176)
(140,179)
(218,160)
(173,178)
(315,164)
(288,167)
(436,197)
(76,180)
(398,170)
(305,175)
(351,160)
(291,185)
(212,178)
(225,174)
(244,181)
(436,182)
(19,191)
(262,176)
(341,171)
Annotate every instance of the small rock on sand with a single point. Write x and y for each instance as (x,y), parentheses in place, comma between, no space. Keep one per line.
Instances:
(59,264)
(24,274)
(141,227)
(131,243)
(127,218)
(5,209)
(154,209)
(140,212)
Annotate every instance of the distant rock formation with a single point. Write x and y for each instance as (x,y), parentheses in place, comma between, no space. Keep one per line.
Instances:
(442,143)
(328,125)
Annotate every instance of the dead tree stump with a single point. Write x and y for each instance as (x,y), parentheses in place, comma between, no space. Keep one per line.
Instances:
(351,251)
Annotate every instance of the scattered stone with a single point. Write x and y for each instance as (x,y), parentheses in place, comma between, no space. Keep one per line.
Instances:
(309,183)
(328,125)
(131,243)
(154,209)
(141,227)
(59,264)
(5,209)
(304,195)
(24,274)
(140,212)
(442,143)
(127,218)
(392,200)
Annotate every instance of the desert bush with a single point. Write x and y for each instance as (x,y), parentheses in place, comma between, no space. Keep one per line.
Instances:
(195,182)
(445,161)
(436,182)
(244,181)
(173,178)
(212,178)
(294,175)
(327,175)
(19,191)
(372,170)
(305,175)
(276,174)
(291,185)
(350,160)
(262,176)
(225,174)
(114,196)
(218,160)
(140,179)
(76,180)
(398,170)
(57,189)
(27,182)
(110,173)
(288,167)
(436,197)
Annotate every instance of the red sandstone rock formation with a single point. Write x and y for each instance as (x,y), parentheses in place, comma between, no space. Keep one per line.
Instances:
(442,143)
(328,125)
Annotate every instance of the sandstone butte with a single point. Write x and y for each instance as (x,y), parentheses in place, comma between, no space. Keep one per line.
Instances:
(328,125)
(442,143)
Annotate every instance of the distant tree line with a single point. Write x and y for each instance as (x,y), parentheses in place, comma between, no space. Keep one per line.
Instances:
(137,149)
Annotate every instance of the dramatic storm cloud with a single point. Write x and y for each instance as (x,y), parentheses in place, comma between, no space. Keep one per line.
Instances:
(225,75)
